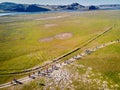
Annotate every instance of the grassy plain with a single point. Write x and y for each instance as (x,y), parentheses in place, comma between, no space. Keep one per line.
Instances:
(21,49)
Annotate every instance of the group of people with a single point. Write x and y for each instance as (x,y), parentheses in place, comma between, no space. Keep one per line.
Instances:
(48,70)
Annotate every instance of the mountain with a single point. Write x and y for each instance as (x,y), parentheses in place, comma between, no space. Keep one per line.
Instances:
(35,8)
(74,6)
(93,8)
(109,6)
(8,6)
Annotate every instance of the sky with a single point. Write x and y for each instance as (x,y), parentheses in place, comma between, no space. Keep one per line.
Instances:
(63,2)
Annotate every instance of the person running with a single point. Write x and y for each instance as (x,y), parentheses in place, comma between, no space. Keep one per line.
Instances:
(11,82)
(14,80)
(38,72)
(29,76)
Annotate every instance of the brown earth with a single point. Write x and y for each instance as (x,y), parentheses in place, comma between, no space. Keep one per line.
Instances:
(62,36)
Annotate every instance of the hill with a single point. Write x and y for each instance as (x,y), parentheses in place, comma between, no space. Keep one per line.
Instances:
(109,6)
(9,6)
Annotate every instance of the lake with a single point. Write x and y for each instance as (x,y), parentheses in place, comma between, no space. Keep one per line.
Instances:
(21,13)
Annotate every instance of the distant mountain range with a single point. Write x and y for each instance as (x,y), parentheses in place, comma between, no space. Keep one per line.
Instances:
(9,6)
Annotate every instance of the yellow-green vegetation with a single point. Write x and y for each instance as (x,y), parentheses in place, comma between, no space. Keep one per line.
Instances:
(105,61)
(21,48)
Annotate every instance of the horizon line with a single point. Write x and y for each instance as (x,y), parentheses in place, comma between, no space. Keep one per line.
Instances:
(62,4)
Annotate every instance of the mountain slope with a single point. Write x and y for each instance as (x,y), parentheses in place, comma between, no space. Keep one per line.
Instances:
(8,6)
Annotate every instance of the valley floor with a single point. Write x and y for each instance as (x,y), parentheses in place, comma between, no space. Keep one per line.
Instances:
(28,41)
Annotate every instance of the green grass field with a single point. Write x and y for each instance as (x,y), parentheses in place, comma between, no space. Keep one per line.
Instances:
(20,46)
(105,64)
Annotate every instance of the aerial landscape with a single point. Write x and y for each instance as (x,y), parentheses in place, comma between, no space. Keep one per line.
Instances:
(59,45)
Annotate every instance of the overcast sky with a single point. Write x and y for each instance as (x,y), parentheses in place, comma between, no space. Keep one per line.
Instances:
(83,2)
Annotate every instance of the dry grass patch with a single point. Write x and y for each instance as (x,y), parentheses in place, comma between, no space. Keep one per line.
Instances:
(61,36)
(50,25)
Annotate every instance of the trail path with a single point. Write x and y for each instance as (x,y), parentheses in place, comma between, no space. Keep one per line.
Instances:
(49,72)
(58,59)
